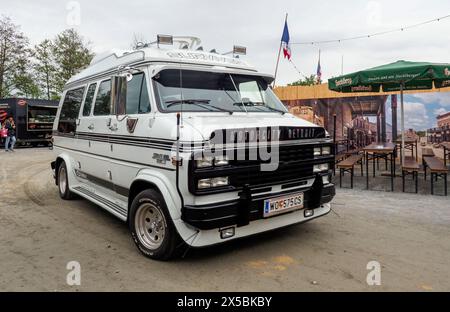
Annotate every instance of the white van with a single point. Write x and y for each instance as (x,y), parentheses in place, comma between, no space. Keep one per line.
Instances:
(190,148)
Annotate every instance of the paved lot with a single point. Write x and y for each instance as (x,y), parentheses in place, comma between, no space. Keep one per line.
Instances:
(39,233)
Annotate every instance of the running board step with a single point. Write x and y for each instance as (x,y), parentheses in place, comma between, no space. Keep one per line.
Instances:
(122,212)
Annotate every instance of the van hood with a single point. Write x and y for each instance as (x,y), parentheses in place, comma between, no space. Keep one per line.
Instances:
(206,125)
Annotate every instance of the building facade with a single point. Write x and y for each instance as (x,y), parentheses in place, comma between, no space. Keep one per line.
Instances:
(442,132)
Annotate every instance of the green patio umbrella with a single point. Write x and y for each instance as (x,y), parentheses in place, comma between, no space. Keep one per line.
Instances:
(398,76)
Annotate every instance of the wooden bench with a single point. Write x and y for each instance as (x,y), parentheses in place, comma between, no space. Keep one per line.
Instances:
(348,165)
(337,158)
(426,152)
(437,170)
(410,166)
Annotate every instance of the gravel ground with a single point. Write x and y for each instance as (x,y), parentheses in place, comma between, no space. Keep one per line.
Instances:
(407,234)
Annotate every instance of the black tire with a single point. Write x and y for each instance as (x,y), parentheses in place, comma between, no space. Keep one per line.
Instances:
(171,244)
(63,189)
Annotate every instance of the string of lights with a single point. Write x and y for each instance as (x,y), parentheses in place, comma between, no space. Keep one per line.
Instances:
(372,34)
(298,70)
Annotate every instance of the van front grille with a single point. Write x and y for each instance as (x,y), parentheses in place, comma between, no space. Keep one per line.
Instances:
(295,163)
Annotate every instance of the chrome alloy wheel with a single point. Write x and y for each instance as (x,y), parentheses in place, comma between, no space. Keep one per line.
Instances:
(150,226)
(62,182)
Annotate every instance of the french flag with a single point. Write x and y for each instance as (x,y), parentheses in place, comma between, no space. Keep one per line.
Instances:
(285,42)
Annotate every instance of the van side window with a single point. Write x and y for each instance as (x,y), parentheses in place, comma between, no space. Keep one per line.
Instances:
(70,110)
(103,100)
(88,100)
(138,101)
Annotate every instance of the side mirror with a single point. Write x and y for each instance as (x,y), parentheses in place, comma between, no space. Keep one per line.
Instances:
(118,95)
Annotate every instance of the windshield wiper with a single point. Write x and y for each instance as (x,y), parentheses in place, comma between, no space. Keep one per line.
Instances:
(186,101)
(198,102)
(259,105)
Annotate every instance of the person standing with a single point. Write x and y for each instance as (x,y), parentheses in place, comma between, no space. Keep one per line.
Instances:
(10,141)
(1,136)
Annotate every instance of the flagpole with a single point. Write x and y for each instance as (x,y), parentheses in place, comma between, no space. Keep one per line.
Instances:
(319,79)
(278,58)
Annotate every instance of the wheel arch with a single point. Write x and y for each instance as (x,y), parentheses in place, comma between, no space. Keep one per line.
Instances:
(146,180)
(59,160)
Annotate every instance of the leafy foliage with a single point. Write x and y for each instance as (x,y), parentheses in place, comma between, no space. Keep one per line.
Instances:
(71,54)
(307,81)
(45,67)
(14,53)
(42,70)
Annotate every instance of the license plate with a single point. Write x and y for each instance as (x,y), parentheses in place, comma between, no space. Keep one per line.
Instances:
(274,206)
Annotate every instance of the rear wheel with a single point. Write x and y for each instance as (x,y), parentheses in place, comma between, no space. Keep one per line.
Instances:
(152,228)
(63,182)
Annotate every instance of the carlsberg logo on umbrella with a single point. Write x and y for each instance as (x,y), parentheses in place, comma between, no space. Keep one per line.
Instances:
(343,82)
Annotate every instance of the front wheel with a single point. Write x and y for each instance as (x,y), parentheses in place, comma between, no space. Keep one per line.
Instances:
(151,226)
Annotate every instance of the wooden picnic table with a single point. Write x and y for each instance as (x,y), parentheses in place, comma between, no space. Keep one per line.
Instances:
(427,152)
(375,151)
(437,170)
(446,147)
(410,167)
(410,144)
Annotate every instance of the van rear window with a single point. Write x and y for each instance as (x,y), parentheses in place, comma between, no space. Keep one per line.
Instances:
(70,110)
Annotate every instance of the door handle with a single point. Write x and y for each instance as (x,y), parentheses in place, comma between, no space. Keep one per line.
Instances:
(113,127)
(91,127)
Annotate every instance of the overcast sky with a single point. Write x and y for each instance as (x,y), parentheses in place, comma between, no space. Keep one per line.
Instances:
(257,25)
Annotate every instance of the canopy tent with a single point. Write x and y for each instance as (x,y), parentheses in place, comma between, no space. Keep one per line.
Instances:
(397,76)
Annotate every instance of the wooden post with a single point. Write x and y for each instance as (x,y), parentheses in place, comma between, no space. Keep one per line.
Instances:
(394,117)
(334,129)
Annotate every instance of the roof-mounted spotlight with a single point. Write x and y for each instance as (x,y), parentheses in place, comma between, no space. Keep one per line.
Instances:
(200,48)
(164,39)
(213,51)
(239,50)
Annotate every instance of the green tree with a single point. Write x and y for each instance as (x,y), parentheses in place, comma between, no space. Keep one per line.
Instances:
(307,81)
(14,53)
(45,68)
(25,80)
(71,54)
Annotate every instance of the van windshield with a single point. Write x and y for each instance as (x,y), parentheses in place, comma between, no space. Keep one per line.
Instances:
(200,91)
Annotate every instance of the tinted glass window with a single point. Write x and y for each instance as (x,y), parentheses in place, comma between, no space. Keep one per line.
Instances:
(89,98)
(70,110)
(208,91)
(103,99)
(137,95)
